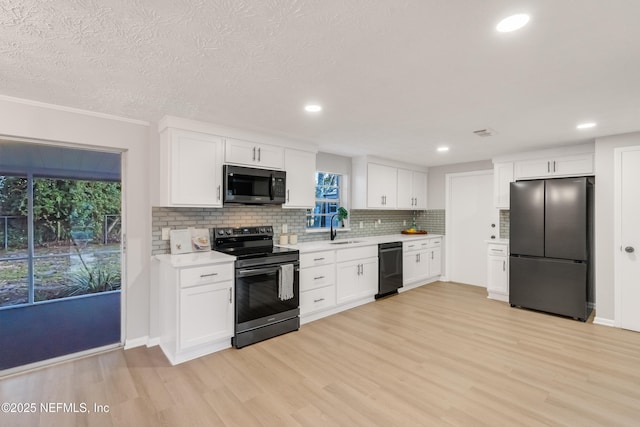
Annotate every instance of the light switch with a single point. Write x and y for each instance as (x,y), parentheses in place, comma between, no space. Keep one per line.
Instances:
(165,233)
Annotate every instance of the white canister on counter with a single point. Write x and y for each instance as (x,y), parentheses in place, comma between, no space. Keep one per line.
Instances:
(284,239)
(293,239)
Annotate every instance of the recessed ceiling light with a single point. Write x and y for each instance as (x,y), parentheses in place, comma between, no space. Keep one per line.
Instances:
(443,149)
(586,125)
(512,23)
(313,108)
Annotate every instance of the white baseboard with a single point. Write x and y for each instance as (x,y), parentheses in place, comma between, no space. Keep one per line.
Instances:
(136,342)
(152,342)
(604,322)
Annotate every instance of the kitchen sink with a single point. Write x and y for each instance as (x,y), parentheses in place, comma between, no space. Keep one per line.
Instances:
(344,242)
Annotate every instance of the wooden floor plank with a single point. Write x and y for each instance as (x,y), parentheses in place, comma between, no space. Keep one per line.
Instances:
(442,354)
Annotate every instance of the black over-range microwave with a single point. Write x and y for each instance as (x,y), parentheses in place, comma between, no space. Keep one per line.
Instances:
(254,186)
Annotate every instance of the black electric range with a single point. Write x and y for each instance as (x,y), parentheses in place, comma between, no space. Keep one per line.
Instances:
(267,283)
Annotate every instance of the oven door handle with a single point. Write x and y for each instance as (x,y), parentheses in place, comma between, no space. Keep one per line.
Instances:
(257,271)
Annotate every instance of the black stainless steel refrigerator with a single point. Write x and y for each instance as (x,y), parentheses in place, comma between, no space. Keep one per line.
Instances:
(551,244)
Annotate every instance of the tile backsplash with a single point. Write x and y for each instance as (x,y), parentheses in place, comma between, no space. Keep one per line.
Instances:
(374,222)
(504,224)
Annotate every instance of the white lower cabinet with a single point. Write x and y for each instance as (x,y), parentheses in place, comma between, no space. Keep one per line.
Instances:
(356,279)
(421,261)
(206,314)
(335,280)
(196,310)
(317,282)
(498,271)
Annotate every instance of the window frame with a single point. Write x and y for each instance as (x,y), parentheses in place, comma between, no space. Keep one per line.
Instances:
(343,201)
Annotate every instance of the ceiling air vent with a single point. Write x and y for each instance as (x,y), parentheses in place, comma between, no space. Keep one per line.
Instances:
(485,132)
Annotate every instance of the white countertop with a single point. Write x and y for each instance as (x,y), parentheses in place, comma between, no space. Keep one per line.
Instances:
(324,245)
(195,259)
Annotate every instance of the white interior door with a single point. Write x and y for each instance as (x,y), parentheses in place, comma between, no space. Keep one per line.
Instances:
(628,237)
(469,216)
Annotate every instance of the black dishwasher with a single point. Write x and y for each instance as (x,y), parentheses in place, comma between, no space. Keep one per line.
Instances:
(389,268)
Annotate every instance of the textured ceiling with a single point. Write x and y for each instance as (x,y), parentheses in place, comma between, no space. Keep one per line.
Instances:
(396,78)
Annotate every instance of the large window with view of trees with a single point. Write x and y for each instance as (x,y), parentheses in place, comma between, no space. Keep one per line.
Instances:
(330,195)
(59,238)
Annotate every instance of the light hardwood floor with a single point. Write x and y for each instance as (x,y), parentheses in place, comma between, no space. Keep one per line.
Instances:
(442,354)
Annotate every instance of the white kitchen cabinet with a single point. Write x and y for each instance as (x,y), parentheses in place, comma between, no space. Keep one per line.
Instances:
(502,179)
(317,282)
(559,166)
(206,314)
(252,154)
(381,186)
(498,271)
(434,256)
(411,189)
(301,168)
(421,260)
(190,169)
(356,279)
(196,309)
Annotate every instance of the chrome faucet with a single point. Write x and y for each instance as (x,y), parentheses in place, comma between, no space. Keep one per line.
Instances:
(332,231)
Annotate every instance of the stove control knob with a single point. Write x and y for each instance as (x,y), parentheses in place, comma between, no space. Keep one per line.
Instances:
(269,230)
(228,232)
(220,232)
(261,229)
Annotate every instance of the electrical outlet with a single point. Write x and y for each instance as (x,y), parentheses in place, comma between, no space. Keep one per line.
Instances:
(379,221)
(285,228)
(361,224)
(404,222)
(165,233)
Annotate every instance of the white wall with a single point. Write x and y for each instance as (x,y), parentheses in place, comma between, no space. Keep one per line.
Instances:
(436,180)
(333,163)
(604,223)
(37,121)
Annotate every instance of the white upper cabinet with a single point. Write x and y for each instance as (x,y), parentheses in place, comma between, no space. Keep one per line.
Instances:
(381,186)
(412,189)
(502,178)
(377,185)
(301,168)
(560,166)
(252,154)
(191,169)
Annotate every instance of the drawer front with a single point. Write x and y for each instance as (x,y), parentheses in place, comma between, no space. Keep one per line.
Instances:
(317,299)
(316,277)
(498,250)
(206,274)
(317,258)
(351,254)
(414,245)
(435,242)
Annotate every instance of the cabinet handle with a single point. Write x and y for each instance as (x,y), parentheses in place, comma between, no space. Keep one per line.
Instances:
(504,265)
(254,154)
(218,192)
(230,293)
(411,246)
(548,167)
(318,259)
(209,275)
(318,300)
(554,165)
(259,149)
(431,254)
(417,257)
(318,278)
(288,196)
